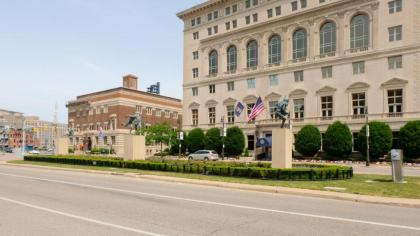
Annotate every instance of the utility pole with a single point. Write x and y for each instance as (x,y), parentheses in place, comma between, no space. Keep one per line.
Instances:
(23,138)
(367,138)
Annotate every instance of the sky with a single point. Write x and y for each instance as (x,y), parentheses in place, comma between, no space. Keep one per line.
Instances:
(54,50)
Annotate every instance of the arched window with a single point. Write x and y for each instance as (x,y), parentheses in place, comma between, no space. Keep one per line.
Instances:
(328,38)
(213,62)
(300,44)
(359,31)
(252,54)
(274,50)
(231,58)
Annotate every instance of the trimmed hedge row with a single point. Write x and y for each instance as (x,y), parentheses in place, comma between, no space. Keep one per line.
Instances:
(299,172)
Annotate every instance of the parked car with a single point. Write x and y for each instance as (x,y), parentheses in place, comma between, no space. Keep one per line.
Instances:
(34,152)
(8,150)
(204,155)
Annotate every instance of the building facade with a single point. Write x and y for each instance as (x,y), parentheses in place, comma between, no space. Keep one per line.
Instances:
(45,132)
(106,113)
(333,60)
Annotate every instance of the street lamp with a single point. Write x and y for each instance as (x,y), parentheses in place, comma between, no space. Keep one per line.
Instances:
(367,138)
(223,134)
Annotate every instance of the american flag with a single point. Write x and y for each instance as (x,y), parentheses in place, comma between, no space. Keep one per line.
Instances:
(256,110)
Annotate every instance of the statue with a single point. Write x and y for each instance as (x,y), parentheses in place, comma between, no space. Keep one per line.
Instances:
(134,122)
(281,111)
(70,132)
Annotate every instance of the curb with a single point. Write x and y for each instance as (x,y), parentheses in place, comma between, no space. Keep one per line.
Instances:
(402,202)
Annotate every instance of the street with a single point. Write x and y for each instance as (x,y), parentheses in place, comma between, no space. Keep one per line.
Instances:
(54,202)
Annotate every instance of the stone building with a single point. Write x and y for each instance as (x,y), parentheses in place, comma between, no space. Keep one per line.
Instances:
(106,112)
(45,132)
(333,59)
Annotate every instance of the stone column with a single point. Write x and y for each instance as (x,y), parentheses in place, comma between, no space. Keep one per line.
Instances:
(282,144)
(134,147)
(61,146)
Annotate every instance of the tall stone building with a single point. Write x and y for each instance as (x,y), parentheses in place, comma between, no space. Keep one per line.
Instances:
(333,59)
(107,112)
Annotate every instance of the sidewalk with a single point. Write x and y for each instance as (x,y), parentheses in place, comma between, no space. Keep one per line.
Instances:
(256,188)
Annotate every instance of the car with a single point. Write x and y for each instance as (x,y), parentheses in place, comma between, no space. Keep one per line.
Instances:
(34,152)
(205,155)
(8,150)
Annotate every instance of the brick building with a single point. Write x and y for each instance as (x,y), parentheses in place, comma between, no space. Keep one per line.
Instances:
(107,111)
(15,139)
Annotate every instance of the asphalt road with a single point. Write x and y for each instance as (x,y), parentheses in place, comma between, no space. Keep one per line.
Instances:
(54,202)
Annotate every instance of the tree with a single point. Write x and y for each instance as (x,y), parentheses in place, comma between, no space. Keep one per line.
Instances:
(174,149)
(195,140)
(213,140)
(159,133)
(410,139)
(234,141)
(308,140)
(338,140)
(380,139)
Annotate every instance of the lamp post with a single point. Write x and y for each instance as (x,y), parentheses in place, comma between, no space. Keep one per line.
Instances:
(223,136)
(367,138)
(23,138)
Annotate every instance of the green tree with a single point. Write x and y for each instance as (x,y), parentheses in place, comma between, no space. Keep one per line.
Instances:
(159,133)
(380,139)
(234,141)
(410,139)
(195,140)
(213,140)
(308,140)
(338,140)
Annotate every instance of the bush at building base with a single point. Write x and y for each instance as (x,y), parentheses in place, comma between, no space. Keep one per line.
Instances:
(308,141)
(195,140)
(213,140)
(410,139)
(338,140)
(234,141)
(380,139)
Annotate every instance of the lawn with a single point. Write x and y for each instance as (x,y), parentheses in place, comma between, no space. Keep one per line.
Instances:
(374,185)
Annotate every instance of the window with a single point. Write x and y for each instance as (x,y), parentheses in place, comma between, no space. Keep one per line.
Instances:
(300,44)
(299,108)
(395,33)
(298,76)
(294,5)
(234,24)
(227,25)
(198,20)
(274,50)
(278,10)
(269,13)
(148,110)
(209,30)
(195,91)
(230,86)
(195,72)
(216,29)
(231,59)
(212,115)
(234,8)
(327,106)
(158,113)
(272,108)
(303,3)
(250,83)
(249,107)
(326,72)
(113,141)
(274,80)
(193,22)
(195,55)
(209,16)
(255,2)
(394,62)
(395,6)
(395,101)
(196,36)
(247,20)
(212,88)
(247,3)
(321,1)
(359,104)
(215,15)
(213,62)
(327,36)
(252,54)
(359,32)
(175,115)
(358,67)
(138,109)
(167,114)
(255,17)
(227,11)
(230,114)
(194,113)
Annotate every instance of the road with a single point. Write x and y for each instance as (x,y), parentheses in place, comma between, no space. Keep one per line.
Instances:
(384,170)
(55,202)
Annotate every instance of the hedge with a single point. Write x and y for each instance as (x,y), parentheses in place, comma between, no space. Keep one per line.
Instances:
(299,172)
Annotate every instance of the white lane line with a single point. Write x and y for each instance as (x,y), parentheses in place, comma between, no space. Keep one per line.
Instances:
(79,217)
(349,220)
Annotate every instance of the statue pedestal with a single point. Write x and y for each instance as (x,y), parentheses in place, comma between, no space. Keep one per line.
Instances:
(61,146)
(282,145)
(134,147)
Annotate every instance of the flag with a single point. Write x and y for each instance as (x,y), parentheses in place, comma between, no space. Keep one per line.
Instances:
(239,108)
(256,110)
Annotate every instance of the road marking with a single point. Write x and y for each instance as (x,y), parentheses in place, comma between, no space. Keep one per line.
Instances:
(79,217)
(219,203)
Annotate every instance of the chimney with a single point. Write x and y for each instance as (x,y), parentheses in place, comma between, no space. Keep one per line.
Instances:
(130,82)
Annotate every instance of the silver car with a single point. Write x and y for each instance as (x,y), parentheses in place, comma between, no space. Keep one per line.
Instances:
(205,155)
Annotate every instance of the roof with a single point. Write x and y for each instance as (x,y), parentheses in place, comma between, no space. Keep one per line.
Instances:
(207,4)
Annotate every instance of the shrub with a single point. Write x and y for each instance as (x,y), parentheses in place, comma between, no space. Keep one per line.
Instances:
(410,139)
(234,141)
(213,140)
(195,140)
(380,139)
(71,150)
(308,140)
(338,140)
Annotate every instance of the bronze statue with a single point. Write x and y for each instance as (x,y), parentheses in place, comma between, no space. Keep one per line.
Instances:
(281,111)
(134,122)
(70,132)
